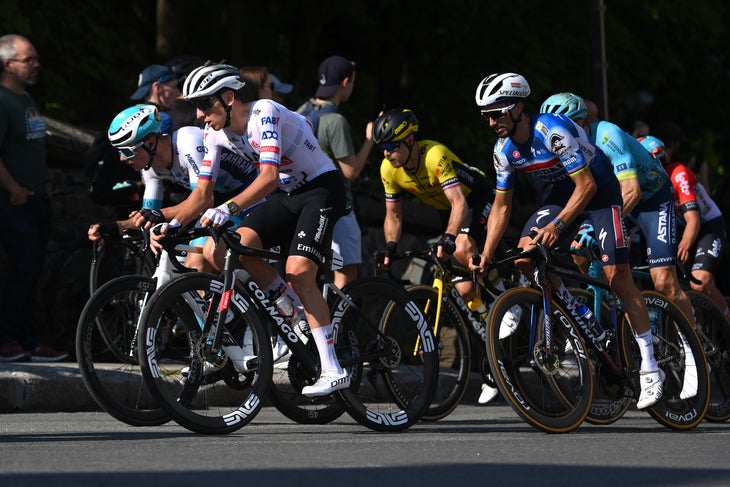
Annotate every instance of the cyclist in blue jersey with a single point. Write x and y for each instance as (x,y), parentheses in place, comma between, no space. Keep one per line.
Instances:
(555,149)
(645,189)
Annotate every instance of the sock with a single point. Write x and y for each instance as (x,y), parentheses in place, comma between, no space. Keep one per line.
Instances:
(646,348)
(326,348)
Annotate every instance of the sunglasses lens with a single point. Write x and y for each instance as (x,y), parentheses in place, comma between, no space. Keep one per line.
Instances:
(127,152)
(390,146)
(202,104)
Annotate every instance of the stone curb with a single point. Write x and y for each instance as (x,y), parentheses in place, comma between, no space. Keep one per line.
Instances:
(58,387)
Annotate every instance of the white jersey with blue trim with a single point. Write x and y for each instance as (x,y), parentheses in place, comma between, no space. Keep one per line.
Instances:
(185,170)
(629,158)
(556,150)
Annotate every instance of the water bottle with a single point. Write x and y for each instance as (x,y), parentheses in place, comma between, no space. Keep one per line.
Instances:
(589,320)
(291,315)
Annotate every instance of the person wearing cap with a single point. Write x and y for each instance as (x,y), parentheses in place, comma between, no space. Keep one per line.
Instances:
(279,89)
(158,85)
(556,150)
(336,83)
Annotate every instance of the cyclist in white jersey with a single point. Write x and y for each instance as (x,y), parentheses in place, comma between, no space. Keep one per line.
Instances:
(175,158)
(306,197)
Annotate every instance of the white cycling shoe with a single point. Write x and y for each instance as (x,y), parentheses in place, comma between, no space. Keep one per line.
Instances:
(488,394)
(327,383)
(510,321)
(651,388)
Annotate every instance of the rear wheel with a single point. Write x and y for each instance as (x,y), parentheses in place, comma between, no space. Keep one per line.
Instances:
(391,354)
(713,330)
(679,353)
(611,395)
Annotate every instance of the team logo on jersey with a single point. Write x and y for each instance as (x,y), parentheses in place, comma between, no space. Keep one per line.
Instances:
(269,120)
(516,154)
(556,143)
(269,134)
(541,128)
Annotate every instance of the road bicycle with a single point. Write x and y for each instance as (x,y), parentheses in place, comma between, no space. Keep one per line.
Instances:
(545,367)
(454,325)
(127,254)
(107,333)
(713,329)
(375,322)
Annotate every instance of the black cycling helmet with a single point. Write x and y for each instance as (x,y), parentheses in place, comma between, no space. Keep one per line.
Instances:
(394,125)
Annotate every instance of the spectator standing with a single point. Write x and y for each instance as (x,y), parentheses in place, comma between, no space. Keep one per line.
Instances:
(25,203)
(158,85)
(336,84)
(279,89)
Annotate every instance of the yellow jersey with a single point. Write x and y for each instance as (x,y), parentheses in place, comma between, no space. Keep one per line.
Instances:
(438,170)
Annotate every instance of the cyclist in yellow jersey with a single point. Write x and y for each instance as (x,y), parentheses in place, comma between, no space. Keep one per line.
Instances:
(430,172)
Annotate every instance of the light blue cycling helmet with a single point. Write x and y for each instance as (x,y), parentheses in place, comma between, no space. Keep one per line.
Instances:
(568,104)
(132,125)
(654,146)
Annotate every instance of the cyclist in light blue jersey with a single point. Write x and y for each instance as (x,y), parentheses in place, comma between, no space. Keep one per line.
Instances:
(645,189)
(555,149)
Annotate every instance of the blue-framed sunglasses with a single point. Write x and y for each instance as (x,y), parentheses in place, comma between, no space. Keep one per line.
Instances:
(390,146)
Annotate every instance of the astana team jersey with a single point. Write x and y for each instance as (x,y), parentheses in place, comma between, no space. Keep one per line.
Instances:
(629,158)
(689,194)
(275,136)
(556,150)
(233,173)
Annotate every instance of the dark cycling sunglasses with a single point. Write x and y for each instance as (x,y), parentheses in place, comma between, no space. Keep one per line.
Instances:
(390,146)
(205,104)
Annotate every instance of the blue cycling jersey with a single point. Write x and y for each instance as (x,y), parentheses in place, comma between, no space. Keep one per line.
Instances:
(629,158)
(556,150)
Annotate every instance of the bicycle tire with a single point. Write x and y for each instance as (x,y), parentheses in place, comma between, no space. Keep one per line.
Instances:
(554,397)
(611,395)
(181,370)
(454,350)
(106,352)
(674,339)
(393,365)
(714,327)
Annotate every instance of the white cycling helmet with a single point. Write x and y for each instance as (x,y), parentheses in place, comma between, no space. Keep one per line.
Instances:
(568,104)
(206,81)
(500,87)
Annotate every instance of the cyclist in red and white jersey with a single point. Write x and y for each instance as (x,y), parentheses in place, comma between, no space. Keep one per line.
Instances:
(703,224)
(306,197)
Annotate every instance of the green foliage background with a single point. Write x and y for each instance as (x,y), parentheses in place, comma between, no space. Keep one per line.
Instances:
(667,60)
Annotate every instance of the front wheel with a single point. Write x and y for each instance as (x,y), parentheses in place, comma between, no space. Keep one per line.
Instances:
(106,351)
(206,390)
(551,389)
(452,339)
(679,353)
(391,354)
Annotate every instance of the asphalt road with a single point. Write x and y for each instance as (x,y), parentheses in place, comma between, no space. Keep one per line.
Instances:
(474,446)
